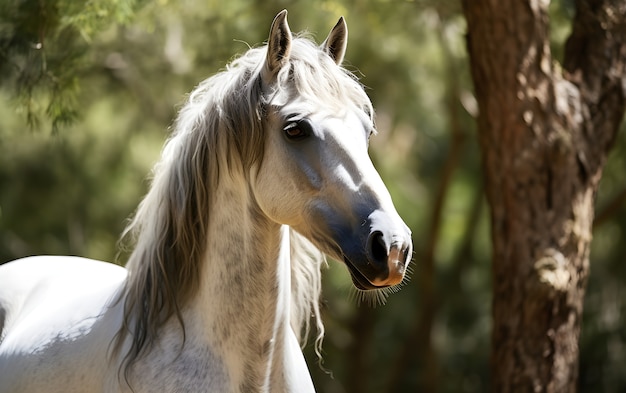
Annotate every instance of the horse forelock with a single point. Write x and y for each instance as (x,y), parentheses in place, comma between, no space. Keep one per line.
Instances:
(220,128)
(319,81)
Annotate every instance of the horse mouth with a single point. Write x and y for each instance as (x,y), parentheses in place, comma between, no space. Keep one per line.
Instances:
(358,279)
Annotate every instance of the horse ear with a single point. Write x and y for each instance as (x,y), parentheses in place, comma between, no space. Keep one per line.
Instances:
(337,41)
(278,47)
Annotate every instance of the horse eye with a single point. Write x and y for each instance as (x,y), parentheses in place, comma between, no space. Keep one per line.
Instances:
(297,130)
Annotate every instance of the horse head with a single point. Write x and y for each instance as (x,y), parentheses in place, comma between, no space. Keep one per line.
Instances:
(316,175)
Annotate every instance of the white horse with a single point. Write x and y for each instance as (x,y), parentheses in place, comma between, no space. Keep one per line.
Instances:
(267,165)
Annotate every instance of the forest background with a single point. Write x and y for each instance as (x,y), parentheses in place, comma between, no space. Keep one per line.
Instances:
(88,91)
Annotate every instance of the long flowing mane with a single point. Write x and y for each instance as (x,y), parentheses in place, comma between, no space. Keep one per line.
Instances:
(219,130)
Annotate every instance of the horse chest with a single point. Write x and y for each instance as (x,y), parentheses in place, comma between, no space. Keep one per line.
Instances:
(196,368)
(234,365)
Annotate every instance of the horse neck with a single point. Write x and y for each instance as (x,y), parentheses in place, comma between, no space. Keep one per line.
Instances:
(244,297)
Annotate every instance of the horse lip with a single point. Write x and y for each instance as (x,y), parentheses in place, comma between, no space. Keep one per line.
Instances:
(358,279)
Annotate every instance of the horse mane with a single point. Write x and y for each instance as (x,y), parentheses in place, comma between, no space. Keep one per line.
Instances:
(219,128)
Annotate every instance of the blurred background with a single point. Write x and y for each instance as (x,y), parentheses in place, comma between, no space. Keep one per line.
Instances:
(86,102)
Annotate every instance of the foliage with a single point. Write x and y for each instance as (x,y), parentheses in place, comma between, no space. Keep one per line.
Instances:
(109,76)
(43,46)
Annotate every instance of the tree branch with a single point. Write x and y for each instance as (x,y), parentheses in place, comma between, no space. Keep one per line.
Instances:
(595,61)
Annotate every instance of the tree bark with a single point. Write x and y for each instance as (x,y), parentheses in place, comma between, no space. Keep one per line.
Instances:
(544,132)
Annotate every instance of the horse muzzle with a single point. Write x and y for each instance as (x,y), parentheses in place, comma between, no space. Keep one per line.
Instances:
(386,252)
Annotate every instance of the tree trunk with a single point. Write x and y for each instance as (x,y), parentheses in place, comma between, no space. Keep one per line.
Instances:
(544,132)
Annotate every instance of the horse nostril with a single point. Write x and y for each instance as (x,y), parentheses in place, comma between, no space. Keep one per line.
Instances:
(378,248)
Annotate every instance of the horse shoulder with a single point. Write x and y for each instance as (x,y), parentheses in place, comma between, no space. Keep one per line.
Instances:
(58,318)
